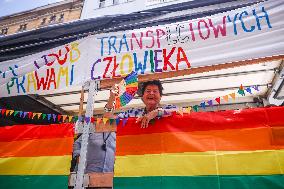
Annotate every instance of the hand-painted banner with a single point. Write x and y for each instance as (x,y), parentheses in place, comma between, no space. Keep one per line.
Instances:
(251,32)
(203,150)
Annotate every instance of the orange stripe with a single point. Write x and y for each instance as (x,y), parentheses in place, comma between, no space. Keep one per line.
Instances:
(198,141)
(37,147)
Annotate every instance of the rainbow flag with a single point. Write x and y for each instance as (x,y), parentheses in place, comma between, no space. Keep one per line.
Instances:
(241,149)
(35,156)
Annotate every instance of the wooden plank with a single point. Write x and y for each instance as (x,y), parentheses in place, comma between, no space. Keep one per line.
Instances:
(94,179)
(101,179)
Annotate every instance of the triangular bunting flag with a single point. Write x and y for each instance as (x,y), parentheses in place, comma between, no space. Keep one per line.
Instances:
(248,90)
(117,120)
(105,120)
(30,115)
(20,115)
(226,98)
(195,108)
(111,121)
(7,112)
(15,113)
(25,114)
(38,115)
(64,118)
(34,114)
(93,120)
(210,103)
(233,95)
(80,118)
(99,120)
(11,112)
(241,92)
(202,104)
(43,116)
(54,117)
(87,119)
(188,109)
(255,87)
(241,87)
(124,121)
(48,117)
(70,118)
(3,111)
(59,117)
(218,100)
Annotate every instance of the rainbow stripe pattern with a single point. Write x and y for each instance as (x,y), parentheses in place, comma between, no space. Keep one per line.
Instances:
(35,156)
(127,89)
(241,149)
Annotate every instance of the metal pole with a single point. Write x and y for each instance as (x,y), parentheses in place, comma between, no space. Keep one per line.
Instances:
(93,88)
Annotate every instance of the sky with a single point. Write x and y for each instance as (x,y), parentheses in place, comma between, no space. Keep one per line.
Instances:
(8,7)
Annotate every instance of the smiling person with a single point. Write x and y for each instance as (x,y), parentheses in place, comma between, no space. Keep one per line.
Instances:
(152,92)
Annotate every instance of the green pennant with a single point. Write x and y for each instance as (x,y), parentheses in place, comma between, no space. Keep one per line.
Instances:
(43,116)
(195,108)
(15,113)
(111,121)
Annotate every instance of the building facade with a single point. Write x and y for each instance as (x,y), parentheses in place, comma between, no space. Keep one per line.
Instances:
(97,8)
(55,13)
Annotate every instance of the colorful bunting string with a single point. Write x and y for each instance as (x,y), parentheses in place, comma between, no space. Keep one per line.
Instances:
(67,118)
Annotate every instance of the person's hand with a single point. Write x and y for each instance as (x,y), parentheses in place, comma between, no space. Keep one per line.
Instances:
(114,91)
(147,118)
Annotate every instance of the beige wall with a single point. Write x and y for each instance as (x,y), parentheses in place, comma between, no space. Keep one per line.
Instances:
(33,19)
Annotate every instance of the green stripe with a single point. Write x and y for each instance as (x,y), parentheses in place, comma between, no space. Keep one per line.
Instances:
(201,182)
(34,182)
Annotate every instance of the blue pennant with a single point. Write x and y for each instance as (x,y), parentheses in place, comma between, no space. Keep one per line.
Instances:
(203,105)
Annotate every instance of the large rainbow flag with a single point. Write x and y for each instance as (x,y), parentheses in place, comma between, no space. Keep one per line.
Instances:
(242,149)
(35,156)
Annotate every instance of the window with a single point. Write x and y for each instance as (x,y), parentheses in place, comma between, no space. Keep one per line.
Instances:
(4,31)
(52,19)
(61,18)
(23,27)
(43,21)
(115,2)
(102,3)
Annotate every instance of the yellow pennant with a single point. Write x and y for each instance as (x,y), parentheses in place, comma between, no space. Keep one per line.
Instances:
(70,118)
(105,120)
(226,98)
(11,112)
(188,109)
(233,95)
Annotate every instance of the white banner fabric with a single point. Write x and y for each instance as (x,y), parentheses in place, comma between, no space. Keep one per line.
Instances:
(251,32)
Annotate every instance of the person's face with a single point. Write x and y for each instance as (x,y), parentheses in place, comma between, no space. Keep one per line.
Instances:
(151,96)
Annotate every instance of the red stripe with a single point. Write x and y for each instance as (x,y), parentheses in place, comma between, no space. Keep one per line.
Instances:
(29,132)
(203,121)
